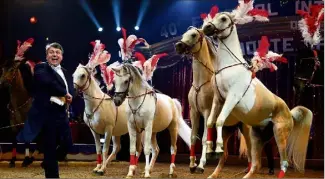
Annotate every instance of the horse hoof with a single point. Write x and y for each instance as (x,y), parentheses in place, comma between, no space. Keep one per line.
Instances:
(199,170)
(172,175)
(27,161)
(271,172)
(95,171)
(192,169)
(211,156)
(100,173)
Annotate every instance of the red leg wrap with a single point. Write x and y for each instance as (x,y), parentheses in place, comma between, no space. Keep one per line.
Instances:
(14,152)
(249,166)
(133,160)
(210,134)
(281,174)
(99,159)
(172,158)
(192,152)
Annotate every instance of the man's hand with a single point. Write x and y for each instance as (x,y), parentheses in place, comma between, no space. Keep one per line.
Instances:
(68,98)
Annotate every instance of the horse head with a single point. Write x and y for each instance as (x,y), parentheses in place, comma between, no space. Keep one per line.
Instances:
(123,80)
(82,78)
(191,41)
(9,71)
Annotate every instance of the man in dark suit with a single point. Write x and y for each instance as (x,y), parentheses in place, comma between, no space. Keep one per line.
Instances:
(52,93)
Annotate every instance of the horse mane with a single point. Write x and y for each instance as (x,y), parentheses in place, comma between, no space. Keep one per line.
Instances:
(137,77)
(212,50)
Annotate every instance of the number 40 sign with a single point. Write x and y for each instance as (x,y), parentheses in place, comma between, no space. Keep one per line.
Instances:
(168,30)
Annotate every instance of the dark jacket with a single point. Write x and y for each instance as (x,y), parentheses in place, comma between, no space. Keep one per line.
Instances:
(46,83)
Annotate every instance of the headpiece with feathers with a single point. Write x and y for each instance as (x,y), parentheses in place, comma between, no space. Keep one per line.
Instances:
(245,13)
(263,58)
(151,64)
(99,55)
(108,74)
(127,44)
(22,48)
(309,25)
(208,17)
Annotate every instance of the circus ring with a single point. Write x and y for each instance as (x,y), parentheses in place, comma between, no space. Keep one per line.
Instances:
(177,70)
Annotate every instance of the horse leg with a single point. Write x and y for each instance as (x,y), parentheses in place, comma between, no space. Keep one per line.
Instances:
(108,136)
(245,130)
(223,158)
(27,160)
(173,131)
(147,146)
(12,162)
(133,137)
(138,147)
(195,121)
(256,151)
(155,150)
(215,110)
(98,151)
(116,148)
(269,155)
(200,168)
(282,128)
(231,101)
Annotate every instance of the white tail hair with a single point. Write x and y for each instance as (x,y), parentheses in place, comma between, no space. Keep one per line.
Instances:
(299,137)
(242,146)
(184,131)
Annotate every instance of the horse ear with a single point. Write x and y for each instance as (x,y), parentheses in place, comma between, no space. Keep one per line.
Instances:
(116,70)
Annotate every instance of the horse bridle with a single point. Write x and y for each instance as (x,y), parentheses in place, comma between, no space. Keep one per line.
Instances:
(188,48)
(217,31)
(124,93)
(83,87)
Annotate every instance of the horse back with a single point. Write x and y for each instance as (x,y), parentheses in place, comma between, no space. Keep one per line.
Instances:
(165,111)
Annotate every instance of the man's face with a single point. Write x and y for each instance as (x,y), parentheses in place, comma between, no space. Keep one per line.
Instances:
(54,56)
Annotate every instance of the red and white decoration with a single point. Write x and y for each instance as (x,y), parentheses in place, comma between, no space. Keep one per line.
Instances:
(108,74)
(309,25)
(245,13)
(99,55)
(151,64)
(127,45)
(263,58)
(208,17)
(22,48)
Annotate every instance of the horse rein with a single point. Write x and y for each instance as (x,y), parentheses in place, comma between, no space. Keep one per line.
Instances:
(246,65)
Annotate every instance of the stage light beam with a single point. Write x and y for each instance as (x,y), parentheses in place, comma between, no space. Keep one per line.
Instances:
(100,29)
(118,28)
(116,11)
(142,11)
(136,27)
(89,12)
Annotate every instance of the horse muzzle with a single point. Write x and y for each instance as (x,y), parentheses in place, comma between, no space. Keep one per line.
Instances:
(180,47)
(119,98)
(209,29)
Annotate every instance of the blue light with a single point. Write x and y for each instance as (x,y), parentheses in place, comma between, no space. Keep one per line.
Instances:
(118,28)
(136,27)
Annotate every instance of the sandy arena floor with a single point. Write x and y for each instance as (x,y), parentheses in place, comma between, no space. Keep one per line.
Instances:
(119,170)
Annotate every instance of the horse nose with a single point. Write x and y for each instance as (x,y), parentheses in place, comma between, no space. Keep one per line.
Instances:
(179,46)
(208,29)
(117,101)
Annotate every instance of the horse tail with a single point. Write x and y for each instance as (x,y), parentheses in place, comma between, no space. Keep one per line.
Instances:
(299,136)
(184,131)
(242,145)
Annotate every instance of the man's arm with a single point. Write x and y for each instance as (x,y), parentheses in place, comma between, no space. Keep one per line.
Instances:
(41,77)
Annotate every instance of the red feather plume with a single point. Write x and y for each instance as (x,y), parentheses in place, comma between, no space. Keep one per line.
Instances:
(140,57)
(156,58)
(124,37)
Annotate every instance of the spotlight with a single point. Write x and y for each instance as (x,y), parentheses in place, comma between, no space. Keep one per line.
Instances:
(118,28)
(136,27)
(47,39)
(33,20)
(100,29)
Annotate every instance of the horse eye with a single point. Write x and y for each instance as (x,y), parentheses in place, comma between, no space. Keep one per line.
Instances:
(83,76)
(126,81)
(223,19)
(193,35)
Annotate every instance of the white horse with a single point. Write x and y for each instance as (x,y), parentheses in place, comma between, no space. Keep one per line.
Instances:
(150,112)
(252,103)
(102,117)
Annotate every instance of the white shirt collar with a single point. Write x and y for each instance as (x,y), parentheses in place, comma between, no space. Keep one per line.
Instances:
(56,67)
